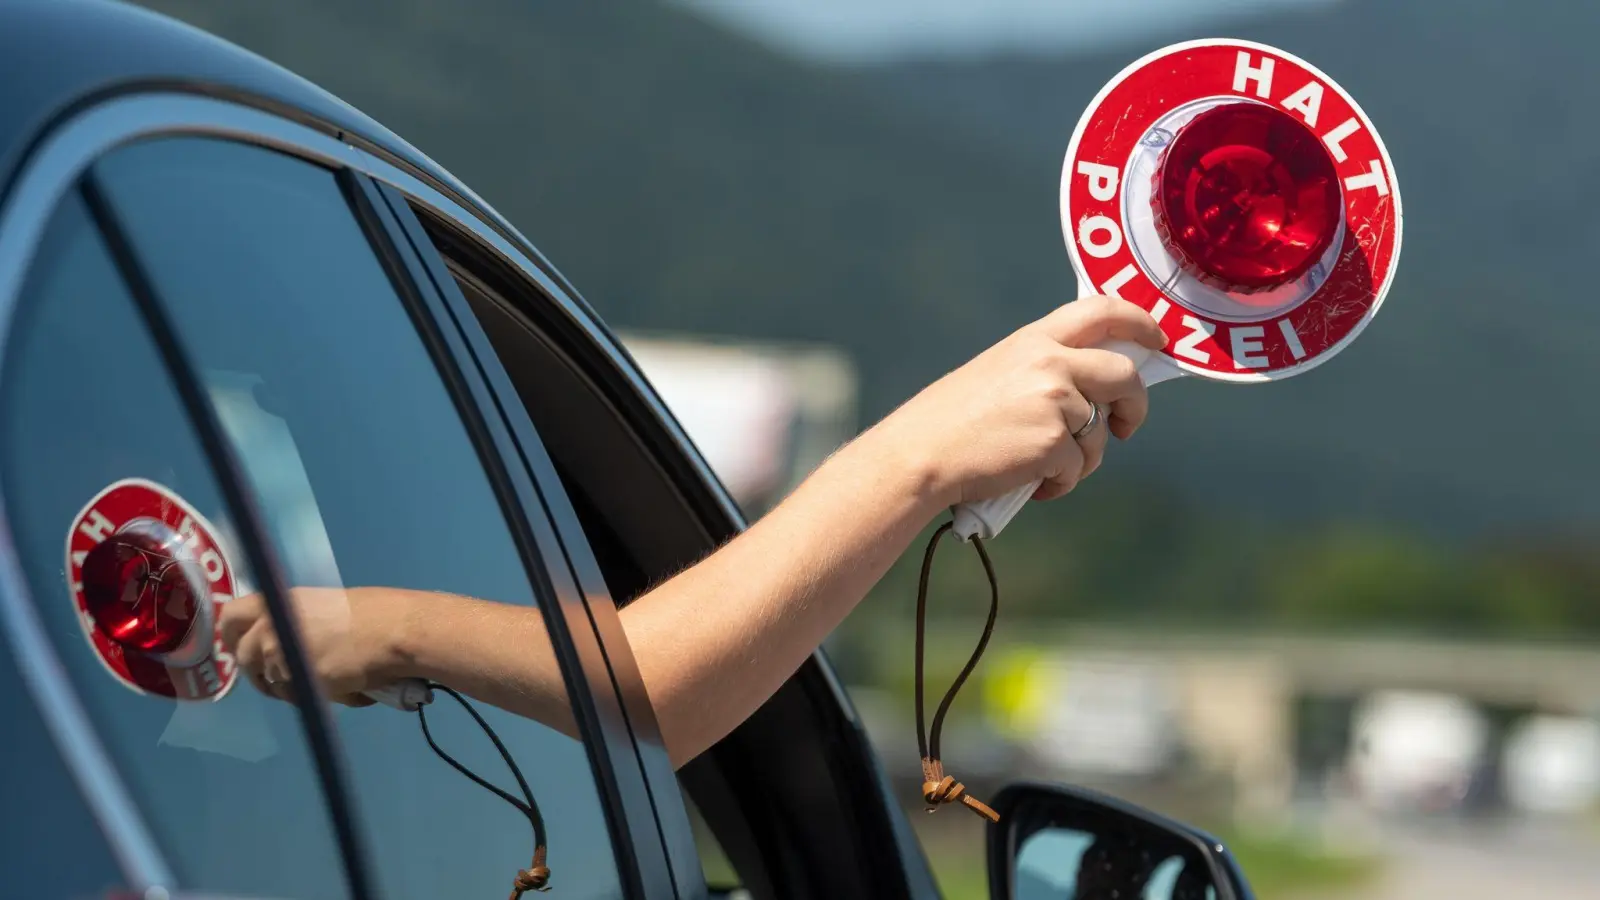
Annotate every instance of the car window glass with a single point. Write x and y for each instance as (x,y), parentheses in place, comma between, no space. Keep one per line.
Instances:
(91,415)
(370,482)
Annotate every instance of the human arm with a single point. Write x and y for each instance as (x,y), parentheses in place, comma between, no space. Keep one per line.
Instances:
(716,640)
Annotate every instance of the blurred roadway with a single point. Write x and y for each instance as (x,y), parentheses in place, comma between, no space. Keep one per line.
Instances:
(1487,862)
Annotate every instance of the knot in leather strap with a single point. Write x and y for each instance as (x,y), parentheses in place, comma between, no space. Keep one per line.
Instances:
(940,788)
(946,791)
(534,878)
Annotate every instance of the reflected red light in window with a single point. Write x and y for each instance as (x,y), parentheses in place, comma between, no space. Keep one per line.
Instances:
(137,591)
(1246,197)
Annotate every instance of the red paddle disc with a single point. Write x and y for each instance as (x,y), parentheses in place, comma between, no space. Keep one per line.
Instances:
(149,579)
(1241,197)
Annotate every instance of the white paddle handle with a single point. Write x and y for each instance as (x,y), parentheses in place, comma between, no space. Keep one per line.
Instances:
(985,518)
(406,695)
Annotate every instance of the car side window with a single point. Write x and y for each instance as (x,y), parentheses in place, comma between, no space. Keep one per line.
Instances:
(97,448)
(370,480)
(61,852)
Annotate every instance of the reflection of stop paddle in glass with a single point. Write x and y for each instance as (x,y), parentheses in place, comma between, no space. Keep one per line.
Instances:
(150,578)
(145,591)
(1243,199)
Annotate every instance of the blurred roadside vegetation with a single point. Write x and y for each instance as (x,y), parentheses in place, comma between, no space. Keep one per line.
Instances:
(1136,554)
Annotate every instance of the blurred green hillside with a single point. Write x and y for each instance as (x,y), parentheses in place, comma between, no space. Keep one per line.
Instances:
(1465,406)
(689,179)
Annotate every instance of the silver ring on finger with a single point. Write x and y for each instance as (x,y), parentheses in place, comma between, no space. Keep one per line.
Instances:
(261,683)
(1088,427)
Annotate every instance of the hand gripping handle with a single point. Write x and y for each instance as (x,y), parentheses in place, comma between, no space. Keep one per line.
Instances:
(984,518)
(406,695)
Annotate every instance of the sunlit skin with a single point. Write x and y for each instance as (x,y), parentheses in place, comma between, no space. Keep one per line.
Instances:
(718,639)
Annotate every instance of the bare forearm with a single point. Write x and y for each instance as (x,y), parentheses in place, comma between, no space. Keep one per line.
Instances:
(720,638)
(496,652)
(714,642)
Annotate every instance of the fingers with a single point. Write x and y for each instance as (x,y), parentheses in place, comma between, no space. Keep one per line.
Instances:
(249,654)
(246,631)
(1091,435)
(258,682)
(1051,488)
(1092,321)
(1068,460)
(1089,378)
(259,655)
(1112,380)
(239,615)
(1065,479)
(1087,429)
(1080,454)
(273,666)
(247,650)
(259,651)
(277,691)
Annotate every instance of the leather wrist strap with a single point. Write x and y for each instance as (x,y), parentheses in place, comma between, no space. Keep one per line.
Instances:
(937,787)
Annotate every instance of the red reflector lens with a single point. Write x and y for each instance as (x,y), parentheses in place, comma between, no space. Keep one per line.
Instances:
(1246,197)
(137,590)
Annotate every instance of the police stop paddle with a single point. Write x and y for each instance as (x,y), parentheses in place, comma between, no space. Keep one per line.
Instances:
(1243,199)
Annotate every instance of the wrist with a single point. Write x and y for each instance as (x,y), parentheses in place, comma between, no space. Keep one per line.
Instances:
(399,638)
(903,469)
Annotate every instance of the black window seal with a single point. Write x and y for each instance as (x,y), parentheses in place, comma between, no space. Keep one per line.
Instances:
(656,780)
(612,752)
(254,540)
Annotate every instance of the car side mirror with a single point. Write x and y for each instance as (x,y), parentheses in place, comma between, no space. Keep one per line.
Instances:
(1061,843)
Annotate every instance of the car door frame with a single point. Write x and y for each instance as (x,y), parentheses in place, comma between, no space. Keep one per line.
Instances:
(57,162)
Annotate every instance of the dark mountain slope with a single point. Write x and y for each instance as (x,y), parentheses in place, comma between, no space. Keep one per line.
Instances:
(688,179)
(1467,402)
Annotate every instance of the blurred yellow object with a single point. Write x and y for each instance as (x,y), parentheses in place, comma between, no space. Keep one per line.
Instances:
(1017,689)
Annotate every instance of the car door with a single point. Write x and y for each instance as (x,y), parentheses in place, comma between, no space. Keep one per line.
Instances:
(223,332)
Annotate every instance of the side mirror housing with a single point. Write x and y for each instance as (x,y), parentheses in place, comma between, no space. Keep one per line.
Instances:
(1061,843)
